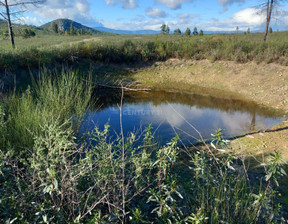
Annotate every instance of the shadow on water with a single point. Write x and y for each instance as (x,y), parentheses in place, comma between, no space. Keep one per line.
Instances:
(176,113)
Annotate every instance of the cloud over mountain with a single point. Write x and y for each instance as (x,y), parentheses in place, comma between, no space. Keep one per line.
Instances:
(78,10)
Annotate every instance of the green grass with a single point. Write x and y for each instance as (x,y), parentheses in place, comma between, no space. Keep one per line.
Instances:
(54,97)
(40,41)
(51,50)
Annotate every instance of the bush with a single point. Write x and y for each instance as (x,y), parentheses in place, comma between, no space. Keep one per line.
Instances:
(27,33)
(119,182)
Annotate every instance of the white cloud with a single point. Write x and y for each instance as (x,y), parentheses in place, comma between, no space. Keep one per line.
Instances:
(77,10)
(153,24)
(110,2)
(129,4)
(228,2)
(225,3)
(126,4)
(153,13)
(173,4)
(31,20)
(247,18)
(250,16)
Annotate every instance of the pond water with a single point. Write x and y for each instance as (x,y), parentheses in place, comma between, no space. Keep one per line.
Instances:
(177,113)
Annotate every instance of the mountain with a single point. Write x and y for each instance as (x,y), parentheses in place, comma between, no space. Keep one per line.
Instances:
(136,32)
(64,25)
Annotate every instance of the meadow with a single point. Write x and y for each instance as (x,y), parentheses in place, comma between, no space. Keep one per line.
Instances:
(49,50)
(50,174)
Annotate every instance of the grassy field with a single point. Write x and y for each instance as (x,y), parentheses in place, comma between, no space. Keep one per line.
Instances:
(130,49)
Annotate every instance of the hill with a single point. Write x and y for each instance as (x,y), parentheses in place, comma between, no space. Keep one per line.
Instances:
(135,32)
(64,25)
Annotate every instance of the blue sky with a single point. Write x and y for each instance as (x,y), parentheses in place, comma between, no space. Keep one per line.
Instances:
(209,15)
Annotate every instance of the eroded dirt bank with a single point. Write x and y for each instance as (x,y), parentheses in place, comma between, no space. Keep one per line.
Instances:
(266,84)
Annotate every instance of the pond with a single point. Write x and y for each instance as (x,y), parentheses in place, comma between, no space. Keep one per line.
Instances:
(191,116)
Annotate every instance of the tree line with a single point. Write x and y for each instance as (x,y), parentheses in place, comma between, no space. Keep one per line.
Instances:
(71,31)
(165,29)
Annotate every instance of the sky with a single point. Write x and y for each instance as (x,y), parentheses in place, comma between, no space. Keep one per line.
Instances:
(208,15)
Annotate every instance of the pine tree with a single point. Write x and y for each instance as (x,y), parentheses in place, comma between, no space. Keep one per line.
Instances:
(270,30)
(188,32)
(195,32)
(55,27)
(71,29)
(163,28)
(177,31)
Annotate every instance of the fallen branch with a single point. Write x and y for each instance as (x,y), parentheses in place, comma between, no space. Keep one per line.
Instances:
(116,87)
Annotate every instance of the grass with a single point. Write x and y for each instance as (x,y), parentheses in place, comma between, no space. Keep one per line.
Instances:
(131,49)
(54,97)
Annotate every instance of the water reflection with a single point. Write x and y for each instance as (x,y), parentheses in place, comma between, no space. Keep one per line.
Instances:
(172,113)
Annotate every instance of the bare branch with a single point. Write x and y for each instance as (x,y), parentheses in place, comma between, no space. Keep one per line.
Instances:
(36,2)
(3,15)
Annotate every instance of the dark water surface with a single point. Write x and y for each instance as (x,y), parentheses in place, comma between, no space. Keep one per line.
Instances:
(180,113)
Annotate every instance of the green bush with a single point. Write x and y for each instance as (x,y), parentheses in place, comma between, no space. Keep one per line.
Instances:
(119,182)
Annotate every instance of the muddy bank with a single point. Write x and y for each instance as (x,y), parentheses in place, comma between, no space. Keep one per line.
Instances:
(266,84)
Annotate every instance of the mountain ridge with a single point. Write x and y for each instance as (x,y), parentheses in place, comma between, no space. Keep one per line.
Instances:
(64,25)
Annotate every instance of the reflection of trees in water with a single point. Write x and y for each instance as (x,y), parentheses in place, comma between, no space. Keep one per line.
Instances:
(111,97)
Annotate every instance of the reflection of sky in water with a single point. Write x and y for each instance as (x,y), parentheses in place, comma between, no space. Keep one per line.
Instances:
(165,116)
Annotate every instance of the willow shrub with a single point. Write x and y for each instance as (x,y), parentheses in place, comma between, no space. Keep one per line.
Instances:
(119,181)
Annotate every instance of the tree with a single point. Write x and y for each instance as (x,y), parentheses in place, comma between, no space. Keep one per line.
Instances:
(55,27)
(248,31)
(163,28)
(201,33)
(26,33)
(177,31)
(71,29)
(195,32)
(270,30)
(13,9)
(269,7)
(237,29)
(167,29)
(188,32)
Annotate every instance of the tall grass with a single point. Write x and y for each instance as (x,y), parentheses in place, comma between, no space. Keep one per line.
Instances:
(237,48)
(53,97)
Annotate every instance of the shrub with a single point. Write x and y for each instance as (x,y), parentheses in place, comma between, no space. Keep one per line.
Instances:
(119,182)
